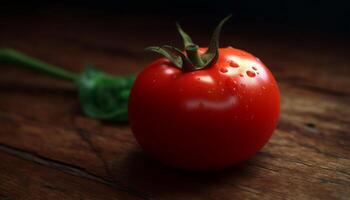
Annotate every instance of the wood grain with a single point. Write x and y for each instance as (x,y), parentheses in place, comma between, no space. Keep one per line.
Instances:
(48,149)
(34,181)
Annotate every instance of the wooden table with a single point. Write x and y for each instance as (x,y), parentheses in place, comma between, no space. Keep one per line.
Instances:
(49,150)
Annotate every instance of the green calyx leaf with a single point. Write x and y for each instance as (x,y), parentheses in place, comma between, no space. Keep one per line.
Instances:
(212,53)
(103,96)
(187,64)
(175,59)
(185,37)
(192,60)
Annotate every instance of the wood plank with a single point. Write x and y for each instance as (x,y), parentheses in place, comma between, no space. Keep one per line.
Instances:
(310,161)
(21,179)
(307,157)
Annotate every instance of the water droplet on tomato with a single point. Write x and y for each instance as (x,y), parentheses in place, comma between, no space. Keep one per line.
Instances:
(230,85)
(233,64)
(223,70)
(263,87)
(250,73)
(254,68)
(154,80)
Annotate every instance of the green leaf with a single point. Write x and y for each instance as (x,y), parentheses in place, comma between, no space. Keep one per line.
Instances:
(103,96)
(185,37)
(175,59)
(212,54)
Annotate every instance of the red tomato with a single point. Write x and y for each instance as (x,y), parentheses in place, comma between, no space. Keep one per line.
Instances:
(206,119)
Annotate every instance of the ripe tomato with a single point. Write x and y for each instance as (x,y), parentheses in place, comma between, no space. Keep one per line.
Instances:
(206,119)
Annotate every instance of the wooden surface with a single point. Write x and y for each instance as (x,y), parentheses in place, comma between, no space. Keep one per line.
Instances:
(49,150)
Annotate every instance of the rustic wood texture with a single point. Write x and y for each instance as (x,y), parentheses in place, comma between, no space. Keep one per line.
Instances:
(49,150)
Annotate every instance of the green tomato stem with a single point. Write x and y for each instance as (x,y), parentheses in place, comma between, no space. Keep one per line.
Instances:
(192,54)
(11,55)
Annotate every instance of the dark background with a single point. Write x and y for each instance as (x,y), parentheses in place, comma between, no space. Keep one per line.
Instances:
(323,16)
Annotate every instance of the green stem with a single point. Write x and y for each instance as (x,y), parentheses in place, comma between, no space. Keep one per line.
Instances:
(11,55)
(192,54)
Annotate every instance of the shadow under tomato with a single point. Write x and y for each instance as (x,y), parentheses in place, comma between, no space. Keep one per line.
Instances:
(143,174)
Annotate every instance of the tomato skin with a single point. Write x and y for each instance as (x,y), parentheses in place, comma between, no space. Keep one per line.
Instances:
(207,119)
